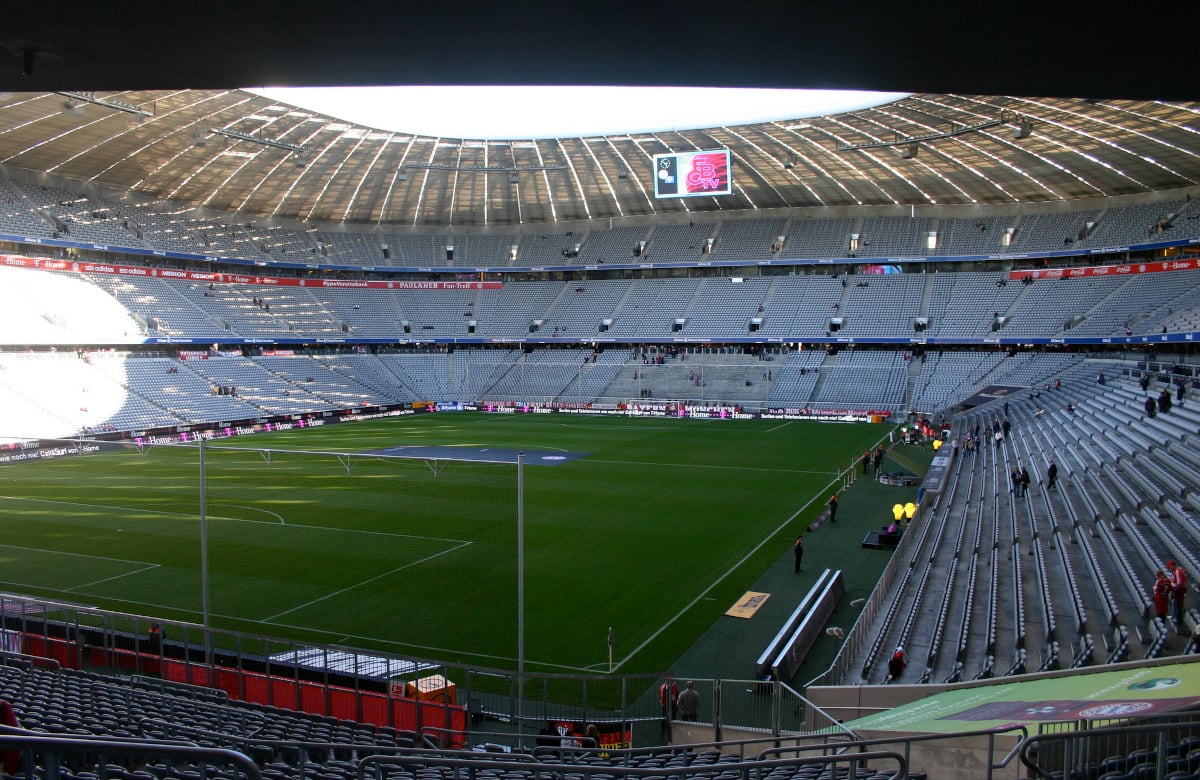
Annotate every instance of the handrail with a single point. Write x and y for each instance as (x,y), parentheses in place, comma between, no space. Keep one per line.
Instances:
(470,763)
(908,741)
(1157,726)
(35,660)
(301,745)
(51,748)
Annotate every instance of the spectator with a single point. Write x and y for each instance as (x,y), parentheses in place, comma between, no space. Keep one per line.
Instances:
(897,664)
(1179,586)
(668,699)
(1161,594)
(689,702)
(12,758)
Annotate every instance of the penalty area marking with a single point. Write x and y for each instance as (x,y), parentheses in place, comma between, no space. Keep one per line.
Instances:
(144,565)
(165,513)
(367,581)
(256,509)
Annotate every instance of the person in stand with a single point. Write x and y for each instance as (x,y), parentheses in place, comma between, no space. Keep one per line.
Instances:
(547,736)
(798,552)
(155,637)
(1161,594)
(668,699)
(833,507)
(689,702)
(897,664)
(1164,401)
(592,732)
(1024,481)
(1179,586)
(12,758)
(1051,474)
(1151,407)
(1014,477)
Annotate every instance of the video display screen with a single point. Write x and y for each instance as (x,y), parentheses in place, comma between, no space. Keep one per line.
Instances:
(692,174)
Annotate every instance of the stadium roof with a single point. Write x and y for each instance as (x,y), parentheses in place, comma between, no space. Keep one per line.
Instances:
(236,152)
(207,143)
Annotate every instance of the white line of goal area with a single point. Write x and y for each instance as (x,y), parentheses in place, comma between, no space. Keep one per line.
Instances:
(141,565)
(367,581)
(455,545)
(210,516)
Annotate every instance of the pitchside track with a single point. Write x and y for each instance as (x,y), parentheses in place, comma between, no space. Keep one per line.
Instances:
(401,535)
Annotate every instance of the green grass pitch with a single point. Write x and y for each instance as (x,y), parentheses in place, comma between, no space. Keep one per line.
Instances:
(655,532)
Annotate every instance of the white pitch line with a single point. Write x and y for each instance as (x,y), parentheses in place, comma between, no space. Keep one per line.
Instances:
(709,466)
(231,519)
(278,517)
(115,577)
(781,425)
(365,582)
(342,637)
(74,554)
(721,578)
(629,656)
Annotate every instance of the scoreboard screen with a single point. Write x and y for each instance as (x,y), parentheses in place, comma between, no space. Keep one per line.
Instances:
(692,174)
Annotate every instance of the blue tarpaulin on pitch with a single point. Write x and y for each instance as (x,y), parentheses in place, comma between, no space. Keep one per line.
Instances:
(485,454)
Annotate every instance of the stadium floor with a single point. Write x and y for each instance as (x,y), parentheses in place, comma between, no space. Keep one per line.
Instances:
(728,649)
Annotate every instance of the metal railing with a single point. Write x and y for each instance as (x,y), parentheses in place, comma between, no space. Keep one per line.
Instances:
(1087,747)
(468,767)
(46,758)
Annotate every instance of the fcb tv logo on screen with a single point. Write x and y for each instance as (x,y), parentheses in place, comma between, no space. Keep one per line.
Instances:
(692,174)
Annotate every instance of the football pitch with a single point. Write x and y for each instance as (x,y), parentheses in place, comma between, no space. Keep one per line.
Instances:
(652,527)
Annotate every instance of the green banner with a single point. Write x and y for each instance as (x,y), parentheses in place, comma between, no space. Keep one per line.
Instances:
(1118,694)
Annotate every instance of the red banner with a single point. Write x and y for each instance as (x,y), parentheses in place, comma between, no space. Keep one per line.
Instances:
(1107,270)
(46,264)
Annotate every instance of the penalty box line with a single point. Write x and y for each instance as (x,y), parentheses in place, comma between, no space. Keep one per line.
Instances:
(367,581)
(167,513)
(143,565)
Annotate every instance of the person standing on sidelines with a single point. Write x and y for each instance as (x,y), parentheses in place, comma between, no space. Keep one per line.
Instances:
(798,552)
(1179,586)
(833,507)
(668,699)
(689,702)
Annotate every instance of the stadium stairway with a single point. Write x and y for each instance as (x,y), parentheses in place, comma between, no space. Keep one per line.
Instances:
(1063,571)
